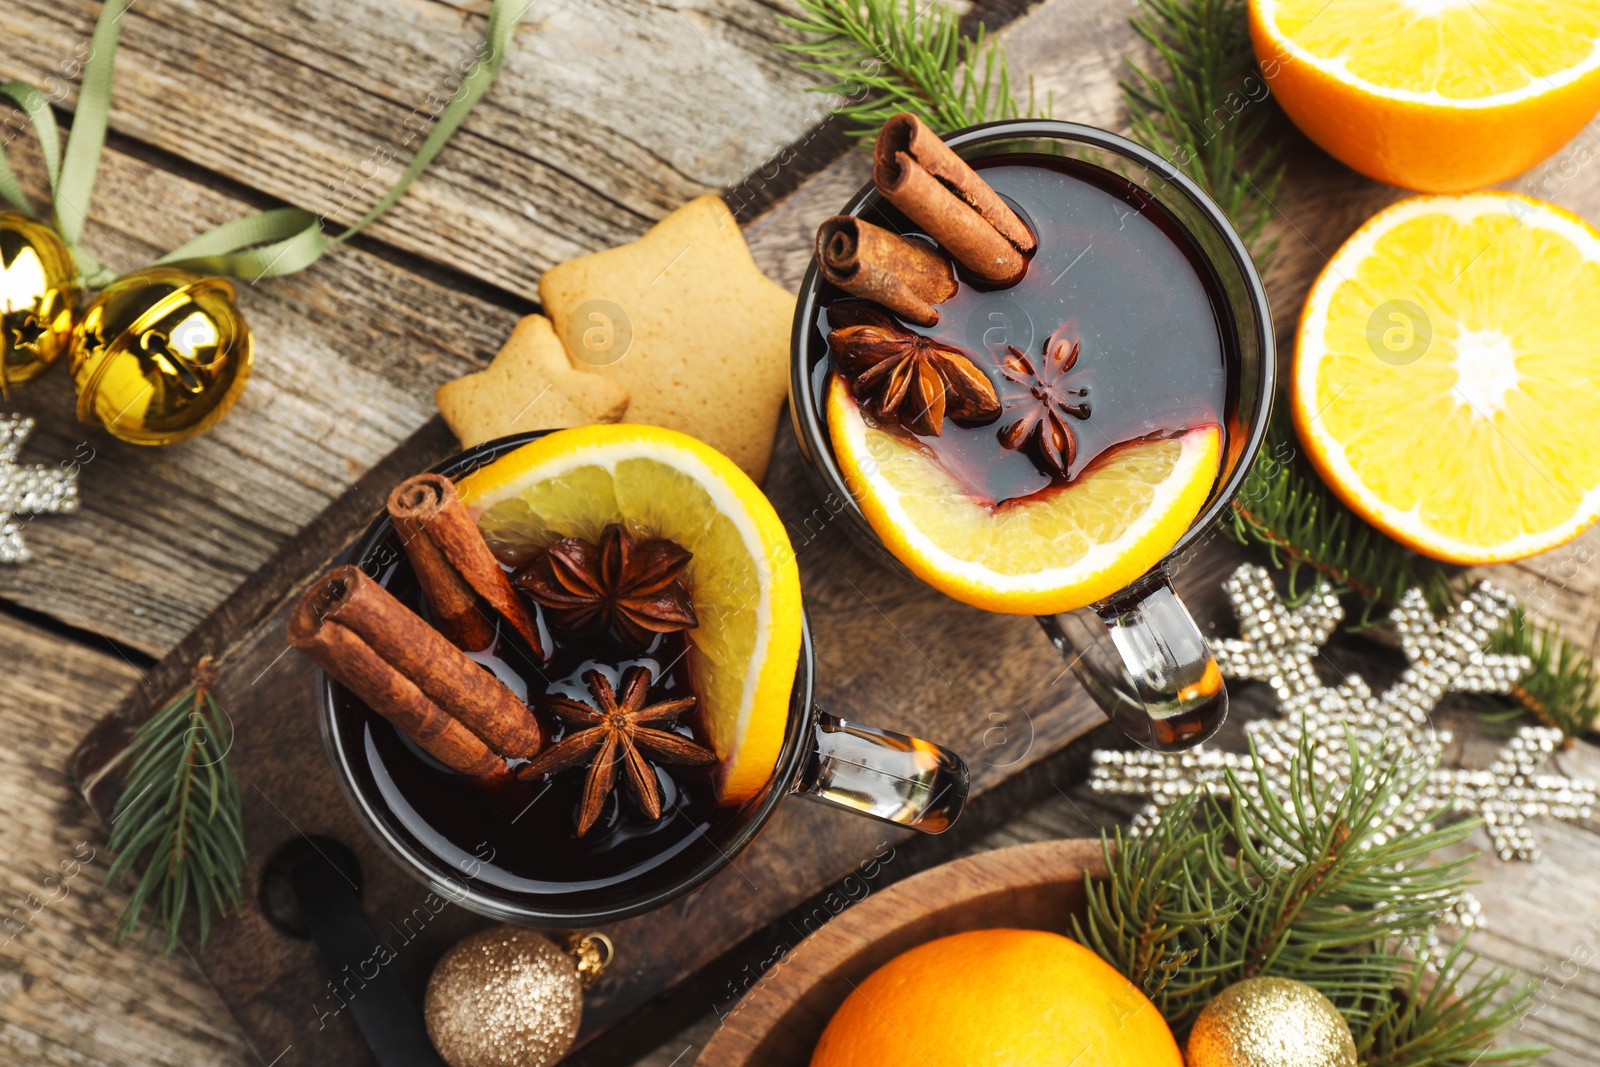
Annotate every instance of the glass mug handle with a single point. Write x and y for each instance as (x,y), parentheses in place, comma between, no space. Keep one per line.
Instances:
(1142,658)
(889,776)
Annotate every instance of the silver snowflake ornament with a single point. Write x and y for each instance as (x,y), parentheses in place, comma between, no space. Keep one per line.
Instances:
(1279,645)
(27,489)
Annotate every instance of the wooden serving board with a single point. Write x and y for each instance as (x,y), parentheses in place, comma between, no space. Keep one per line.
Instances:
(890,652)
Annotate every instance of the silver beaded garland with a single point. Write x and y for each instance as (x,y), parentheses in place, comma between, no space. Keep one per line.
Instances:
(1278,645)
(27,489)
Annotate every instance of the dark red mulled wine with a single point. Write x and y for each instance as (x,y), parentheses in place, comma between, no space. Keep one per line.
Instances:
(1114,269)
(521,837)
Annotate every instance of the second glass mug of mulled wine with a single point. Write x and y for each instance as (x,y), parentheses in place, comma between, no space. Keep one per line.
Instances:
(509,853)
(1141,291)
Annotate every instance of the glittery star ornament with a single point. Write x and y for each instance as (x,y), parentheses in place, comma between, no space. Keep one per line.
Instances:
(1279,645)
(27,489)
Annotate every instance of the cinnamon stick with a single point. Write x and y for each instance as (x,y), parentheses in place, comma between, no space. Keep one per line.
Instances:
(383,689)
(461,688)
(936,189)
(906,276)
(454,565)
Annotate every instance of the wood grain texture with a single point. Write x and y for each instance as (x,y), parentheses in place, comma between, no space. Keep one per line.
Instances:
(607,113)
(1543,917)
(890,652)
(1069,809)
(582,146)
(1029,887)
(70,994)
(348,354)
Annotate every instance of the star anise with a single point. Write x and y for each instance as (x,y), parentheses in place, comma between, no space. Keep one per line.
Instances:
(618,732)
(633,586)
(1041,401)
(903,376)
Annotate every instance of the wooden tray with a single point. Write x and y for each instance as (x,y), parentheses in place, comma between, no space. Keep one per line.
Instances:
(1033,887)
(890,651)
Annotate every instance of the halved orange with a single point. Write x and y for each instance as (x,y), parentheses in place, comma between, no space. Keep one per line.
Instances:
(1441,96)
(1446,379)
(1054,551)
(743,579)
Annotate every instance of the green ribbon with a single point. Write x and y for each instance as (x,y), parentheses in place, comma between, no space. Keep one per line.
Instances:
(269,244)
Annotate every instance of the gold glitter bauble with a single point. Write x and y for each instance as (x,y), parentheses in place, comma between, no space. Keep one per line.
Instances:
(37,298)
(160,356)
(507,997)
(1270,1022)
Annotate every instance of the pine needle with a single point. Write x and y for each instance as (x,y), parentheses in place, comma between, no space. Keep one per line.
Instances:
(1315,886)
(1444,1016)
(179,818)
(1206,114)
(1562,690)
(882,57)
(1209,110)
(1285,507)
(1207,898)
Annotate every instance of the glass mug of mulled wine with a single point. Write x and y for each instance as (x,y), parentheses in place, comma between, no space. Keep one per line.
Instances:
(1038,430)
(508,848)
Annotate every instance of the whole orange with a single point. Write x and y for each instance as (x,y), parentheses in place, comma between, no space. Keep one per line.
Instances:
(1441,96)
(997,998)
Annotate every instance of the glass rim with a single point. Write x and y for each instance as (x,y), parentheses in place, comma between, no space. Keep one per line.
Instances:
(435,873)
(809,423)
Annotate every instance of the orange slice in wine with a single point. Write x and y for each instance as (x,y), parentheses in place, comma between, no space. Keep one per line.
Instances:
(1056,550)
(743,579)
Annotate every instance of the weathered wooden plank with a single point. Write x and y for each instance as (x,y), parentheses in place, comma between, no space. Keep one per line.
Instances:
(69,993)
(1326,203)
(1541,915)
(347,357)
(890,651)
(1084,89)
(607,114)
(1543,920)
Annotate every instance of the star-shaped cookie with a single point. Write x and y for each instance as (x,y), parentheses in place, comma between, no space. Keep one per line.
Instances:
(531,385)
(687,323)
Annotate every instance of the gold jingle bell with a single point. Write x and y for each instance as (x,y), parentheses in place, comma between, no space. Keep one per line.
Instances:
(160,356)
(38,295)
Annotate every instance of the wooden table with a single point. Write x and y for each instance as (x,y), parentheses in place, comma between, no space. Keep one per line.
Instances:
(609,113)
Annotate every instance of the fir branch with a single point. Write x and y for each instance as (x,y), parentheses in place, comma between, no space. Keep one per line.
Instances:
(1315,886)
(1353,890)
(1205,113)
(1138,923)
(1202,115)
(1436,1017)
(1285,507)
(1563,689)
(179,817)
(882,57)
